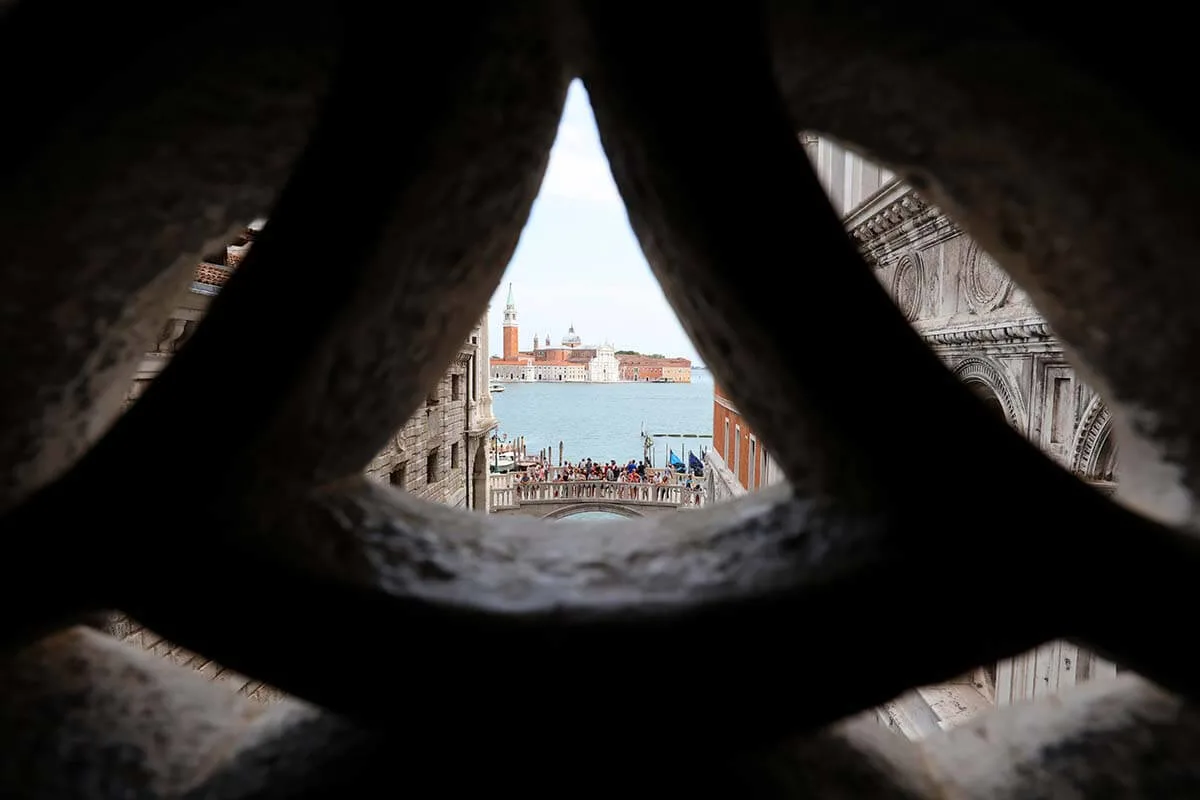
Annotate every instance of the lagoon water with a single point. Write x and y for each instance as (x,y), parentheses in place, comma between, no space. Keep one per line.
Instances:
(604,421)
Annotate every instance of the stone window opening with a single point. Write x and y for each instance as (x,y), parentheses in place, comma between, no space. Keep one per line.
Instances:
(454,457)
(1106,462)
(737,451)
(989,398)
(750,475)
(431,399)
(398,477)
(455,387)
(431,466)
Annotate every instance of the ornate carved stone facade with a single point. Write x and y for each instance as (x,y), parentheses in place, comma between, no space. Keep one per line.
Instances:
(440,454)
(986,330)
(989,334)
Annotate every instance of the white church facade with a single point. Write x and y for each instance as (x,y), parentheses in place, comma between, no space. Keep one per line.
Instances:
(604,366)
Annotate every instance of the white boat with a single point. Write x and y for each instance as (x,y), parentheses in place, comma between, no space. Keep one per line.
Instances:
(502,464)
(494,387)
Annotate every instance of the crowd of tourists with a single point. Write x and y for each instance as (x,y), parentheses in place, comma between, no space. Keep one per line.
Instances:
(633,480)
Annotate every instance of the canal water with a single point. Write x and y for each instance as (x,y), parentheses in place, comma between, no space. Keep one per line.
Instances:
(591,515)
(603,421)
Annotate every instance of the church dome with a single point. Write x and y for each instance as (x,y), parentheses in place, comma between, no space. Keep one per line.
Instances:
(571,339)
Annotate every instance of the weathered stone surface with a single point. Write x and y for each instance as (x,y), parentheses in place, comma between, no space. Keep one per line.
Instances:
(713,178)
(437,439)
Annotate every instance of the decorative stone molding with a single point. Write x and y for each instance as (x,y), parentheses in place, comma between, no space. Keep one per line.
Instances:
(895,221)
(991,334)
(1090,437)
(977,369)
(894,214)
(986,287)
(909,286)
(726,403)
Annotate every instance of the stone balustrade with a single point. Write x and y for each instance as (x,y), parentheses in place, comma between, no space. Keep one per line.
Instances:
(654,474)
(722,483)
(511,494)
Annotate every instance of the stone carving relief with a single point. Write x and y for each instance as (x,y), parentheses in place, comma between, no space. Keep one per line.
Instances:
(986,287)
(980,370)
(909,286)
(1094,455)
(897,213)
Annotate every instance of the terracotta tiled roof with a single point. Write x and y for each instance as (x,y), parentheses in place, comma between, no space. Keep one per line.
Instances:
(212,275)
(217,275)
(234,254)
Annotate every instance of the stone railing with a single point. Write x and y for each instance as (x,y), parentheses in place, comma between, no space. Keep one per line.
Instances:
(513,494)
(722,484)
(655,474)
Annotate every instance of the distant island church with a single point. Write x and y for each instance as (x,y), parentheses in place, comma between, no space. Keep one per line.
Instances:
(572,362)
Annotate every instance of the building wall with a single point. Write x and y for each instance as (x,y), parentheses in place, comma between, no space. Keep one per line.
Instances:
(452,427)
(677,374)
(986,330)
(645,368)
(509,370)
(743,457)
(848,178)
(604,367)
(529,370)
(578,355)
(430,456)
(640,372)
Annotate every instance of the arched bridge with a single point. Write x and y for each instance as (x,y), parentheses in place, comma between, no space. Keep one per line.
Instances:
(559,499)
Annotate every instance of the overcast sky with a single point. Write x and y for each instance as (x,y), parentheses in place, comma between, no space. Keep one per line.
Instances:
(578,261)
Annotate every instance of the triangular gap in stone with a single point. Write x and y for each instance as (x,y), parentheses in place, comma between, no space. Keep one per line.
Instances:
(588,358)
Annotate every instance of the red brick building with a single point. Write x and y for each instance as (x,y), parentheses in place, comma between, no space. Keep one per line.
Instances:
(738,450)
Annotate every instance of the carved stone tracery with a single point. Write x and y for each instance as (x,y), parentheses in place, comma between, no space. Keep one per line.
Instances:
(1094,454)
(437,198)
(985,285)
(906,208)
(909,286)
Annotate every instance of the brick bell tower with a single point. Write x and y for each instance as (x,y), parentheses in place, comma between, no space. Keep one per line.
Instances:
(510,327)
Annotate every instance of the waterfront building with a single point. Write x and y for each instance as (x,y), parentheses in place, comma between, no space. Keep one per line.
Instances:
(571,361)
(738,461)
(651,369)
(988,333)
(604,366)
(439,455)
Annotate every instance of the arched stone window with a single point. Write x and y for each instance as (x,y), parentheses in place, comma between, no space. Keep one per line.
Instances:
(989,398)
(992,384)
(1095,455)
